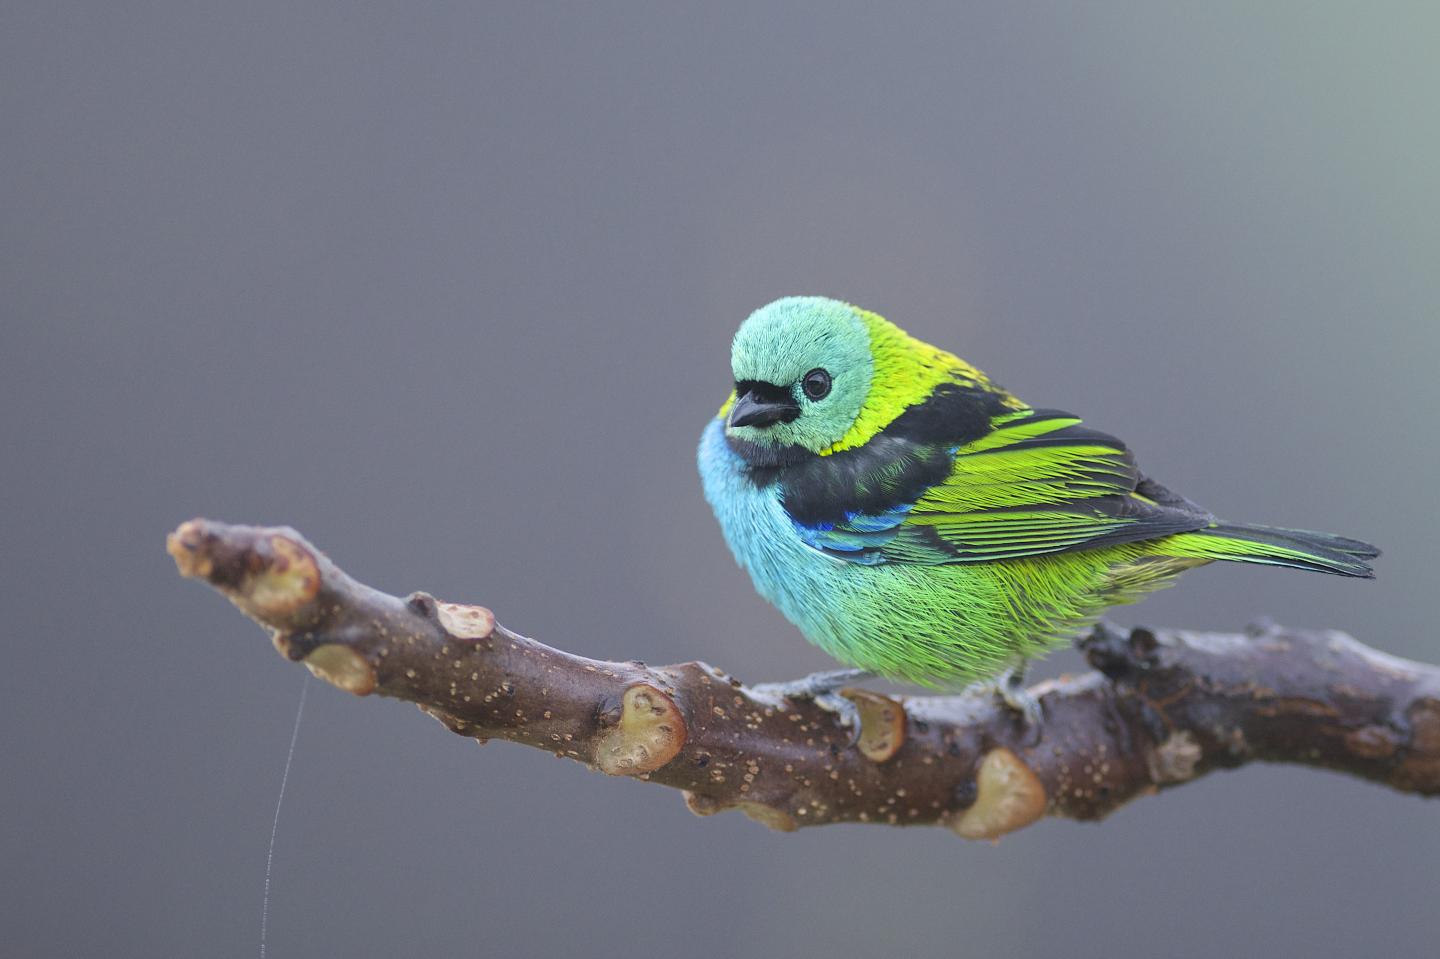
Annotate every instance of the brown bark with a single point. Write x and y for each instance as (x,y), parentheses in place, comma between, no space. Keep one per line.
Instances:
(1160,708)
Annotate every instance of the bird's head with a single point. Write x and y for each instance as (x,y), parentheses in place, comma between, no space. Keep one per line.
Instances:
(816,376)
(803,369)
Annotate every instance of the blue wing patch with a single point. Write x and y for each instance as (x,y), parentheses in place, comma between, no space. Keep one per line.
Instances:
(859,538)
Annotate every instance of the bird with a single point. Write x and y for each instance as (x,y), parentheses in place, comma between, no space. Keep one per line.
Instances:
(920,523)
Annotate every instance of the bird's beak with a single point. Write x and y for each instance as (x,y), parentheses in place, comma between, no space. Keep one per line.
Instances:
(763,405)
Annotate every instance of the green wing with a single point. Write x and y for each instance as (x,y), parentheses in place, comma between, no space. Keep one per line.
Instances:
(1038,482)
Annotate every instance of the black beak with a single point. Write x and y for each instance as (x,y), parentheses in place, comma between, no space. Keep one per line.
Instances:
(761,404)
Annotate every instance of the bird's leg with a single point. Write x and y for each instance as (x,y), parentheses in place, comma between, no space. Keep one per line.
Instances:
(816,684)
(1009,688)
(823,690)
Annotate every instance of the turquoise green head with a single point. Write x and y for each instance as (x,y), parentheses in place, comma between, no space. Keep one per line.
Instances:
(803,368)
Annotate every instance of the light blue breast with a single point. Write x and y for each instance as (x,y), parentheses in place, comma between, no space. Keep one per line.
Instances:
(802,582)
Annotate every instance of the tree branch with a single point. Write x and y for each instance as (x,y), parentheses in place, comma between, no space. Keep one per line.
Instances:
(1159,709)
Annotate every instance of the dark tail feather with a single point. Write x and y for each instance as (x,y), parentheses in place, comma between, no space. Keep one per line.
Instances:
(1309,538)
(1270,545)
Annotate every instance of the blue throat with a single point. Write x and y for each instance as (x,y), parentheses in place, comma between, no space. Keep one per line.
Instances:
(764,541)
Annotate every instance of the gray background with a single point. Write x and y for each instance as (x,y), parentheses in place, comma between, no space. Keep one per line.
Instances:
(450,288)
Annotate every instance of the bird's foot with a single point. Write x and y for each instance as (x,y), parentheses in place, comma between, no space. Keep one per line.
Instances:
(823,690)
(1009,688)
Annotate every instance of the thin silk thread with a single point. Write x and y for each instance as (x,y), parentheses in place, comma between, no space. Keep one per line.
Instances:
(275,826)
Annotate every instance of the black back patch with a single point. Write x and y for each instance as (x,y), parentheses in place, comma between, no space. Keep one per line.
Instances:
(897,465)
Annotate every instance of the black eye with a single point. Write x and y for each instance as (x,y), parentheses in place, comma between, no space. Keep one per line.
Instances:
(816,384)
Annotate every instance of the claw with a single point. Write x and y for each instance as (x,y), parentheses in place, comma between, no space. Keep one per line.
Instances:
(822,689)
(847,714)
(1018,698)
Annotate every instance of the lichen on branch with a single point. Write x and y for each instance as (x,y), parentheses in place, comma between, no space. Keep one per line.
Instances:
(1159,709)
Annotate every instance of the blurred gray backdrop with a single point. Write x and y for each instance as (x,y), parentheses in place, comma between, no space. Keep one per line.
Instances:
(450,288)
